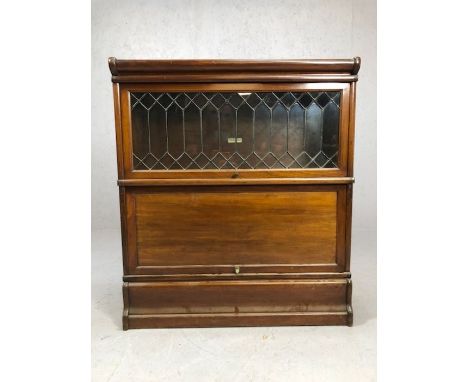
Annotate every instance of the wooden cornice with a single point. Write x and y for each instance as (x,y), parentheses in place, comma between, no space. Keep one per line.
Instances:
(161,71)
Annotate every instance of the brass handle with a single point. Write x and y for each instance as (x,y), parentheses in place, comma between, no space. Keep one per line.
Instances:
(236,269)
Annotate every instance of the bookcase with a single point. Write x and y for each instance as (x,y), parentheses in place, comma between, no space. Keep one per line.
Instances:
(235,182)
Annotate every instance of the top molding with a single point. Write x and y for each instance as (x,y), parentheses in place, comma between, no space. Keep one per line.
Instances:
(163,71)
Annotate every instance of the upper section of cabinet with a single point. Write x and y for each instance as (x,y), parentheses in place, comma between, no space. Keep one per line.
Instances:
(187,119)
(161,71)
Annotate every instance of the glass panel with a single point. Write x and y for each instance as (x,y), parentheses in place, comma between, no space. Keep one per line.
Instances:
(245,130)
(175,133)
(192,128)
(296,130)
(255,130)
(262,130)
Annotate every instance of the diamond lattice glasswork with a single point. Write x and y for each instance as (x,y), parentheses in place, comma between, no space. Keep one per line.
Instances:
(185,131)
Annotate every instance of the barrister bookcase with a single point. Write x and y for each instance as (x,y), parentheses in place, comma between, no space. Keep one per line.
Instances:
(235,182)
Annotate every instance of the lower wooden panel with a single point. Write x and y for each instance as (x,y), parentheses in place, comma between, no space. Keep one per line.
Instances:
(237,303)
(261,229)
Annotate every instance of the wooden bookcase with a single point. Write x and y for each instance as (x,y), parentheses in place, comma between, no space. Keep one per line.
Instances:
(235,183)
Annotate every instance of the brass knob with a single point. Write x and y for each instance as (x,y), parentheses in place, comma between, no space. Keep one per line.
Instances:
(236,269)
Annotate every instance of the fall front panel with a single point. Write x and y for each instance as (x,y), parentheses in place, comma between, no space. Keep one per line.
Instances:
(229,226)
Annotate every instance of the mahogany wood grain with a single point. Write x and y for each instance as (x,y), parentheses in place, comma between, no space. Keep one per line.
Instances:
(210,229)
(122,67)
(124,229)
(236,247)
(237,303)
(240,227)
(186,71)
(349,307)
(232,181)
(237,296)
(126,304)
(151,321)
(351,128)
(239,276)
(349,210)
(227,87)
(118,130)
(235,77)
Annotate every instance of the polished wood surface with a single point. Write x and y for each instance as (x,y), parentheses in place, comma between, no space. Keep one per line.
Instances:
(236,247)
(237,276)
(121,67)
(209,227)
(180,303)
(237,296)
(232,181)
(153,71)
(150,321)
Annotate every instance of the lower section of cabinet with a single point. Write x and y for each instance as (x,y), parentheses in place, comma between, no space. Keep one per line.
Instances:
(211,229)
(175,304)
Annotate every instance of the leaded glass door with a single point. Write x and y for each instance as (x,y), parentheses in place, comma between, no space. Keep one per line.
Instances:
(261,131)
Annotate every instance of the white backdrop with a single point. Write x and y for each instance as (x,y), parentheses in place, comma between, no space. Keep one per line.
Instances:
(231,29)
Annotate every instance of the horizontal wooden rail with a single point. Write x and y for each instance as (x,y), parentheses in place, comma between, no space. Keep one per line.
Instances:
(233,182)
(123,67)
(247,276)
(235,77)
